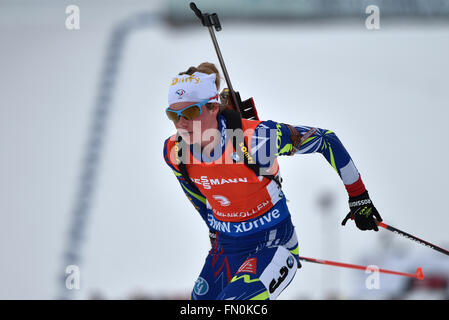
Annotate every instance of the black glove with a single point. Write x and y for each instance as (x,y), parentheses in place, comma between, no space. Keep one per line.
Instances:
(363,212)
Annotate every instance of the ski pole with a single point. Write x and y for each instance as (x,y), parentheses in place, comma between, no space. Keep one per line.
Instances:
(418,275)
(412,237)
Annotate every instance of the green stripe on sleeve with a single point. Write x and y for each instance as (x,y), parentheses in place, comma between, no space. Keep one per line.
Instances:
(196,196)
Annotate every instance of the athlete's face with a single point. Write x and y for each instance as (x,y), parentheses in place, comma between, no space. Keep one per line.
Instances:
(196,130)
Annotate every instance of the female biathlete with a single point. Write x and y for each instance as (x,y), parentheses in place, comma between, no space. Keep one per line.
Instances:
(228,169)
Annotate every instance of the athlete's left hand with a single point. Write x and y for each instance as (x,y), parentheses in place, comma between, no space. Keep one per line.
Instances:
(363,212)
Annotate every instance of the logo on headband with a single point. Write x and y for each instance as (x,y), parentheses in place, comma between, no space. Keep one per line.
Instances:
(180,92)
(191,79)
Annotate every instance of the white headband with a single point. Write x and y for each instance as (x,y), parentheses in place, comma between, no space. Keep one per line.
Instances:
(195,88)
